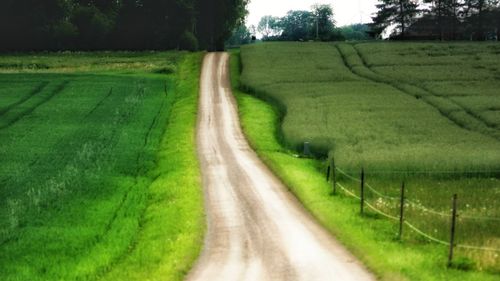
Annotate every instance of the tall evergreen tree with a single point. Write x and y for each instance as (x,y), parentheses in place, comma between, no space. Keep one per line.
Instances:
(447,15)
(399,12)
(482,17)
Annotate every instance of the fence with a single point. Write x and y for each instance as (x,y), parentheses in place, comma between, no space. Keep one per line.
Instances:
(403,203)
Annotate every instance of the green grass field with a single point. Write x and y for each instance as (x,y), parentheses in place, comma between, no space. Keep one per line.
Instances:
(98,173)
(348,110)
(356,104)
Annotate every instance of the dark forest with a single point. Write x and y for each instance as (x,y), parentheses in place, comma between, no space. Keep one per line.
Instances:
(31,25)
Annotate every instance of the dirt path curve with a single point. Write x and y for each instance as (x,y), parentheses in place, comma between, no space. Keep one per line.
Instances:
(256,229)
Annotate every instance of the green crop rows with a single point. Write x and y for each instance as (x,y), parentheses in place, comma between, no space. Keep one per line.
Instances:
(363,118)
(423,113)
(80,167)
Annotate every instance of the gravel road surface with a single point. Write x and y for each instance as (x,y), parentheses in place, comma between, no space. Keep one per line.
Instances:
(256,229)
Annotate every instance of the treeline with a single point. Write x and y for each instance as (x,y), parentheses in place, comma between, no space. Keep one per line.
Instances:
(439,19)
(316,24)
(27,25)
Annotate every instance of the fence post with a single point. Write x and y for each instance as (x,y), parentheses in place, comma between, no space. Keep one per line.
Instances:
(362,190)
(334,176)
(307,149)
(452,234)
(401,210)
(328,173)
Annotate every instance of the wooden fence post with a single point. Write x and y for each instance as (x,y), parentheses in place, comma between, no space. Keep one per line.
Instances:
(307,149)
(328,173)
(401,210)
(452,234)
(334,176)
(362,190)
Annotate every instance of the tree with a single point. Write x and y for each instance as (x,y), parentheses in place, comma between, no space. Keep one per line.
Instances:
(325,24)
(216,20)
(399,12)
(103,5)
(443,19)
(297,25)
(241,36)
(269,26)
(356,32)
(92,27)
(482,18)
(118,24)
(493,17)
(317,24)
(28,24)
(447,14)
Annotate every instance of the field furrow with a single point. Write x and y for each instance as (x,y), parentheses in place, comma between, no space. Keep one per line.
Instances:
(455,112)
(99,103)
(482,128)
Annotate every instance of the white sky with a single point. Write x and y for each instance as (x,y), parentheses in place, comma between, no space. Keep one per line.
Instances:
(345,11)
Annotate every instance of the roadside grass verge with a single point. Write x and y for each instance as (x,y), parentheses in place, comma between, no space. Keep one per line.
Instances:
(372,239)
(173,223)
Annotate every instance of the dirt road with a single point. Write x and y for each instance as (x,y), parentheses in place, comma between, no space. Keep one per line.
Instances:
(256,229)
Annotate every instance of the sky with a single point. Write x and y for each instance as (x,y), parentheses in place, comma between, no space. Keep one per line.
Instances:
(346,11)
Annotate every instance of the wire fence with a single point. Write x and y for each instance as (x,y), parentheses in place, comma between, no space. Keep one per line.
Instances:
(407,203)
(433,172)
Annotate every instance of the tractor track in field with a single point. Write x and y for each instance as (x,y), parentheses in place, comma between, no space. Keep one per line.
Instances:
(153,123)
(256,230)
(28,111)
(433,94)
(464,108)
(99,103)
(134,240)
(33,92)
(485,128)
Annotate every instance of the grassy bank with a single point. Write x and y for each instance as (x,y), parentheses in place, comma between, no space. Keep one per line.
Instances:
(98,176)
(370,238)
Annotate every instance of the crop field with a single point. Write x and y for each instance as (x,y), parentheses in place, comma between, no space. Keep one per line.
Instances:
(81,168)
(423,113)
(363,118)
